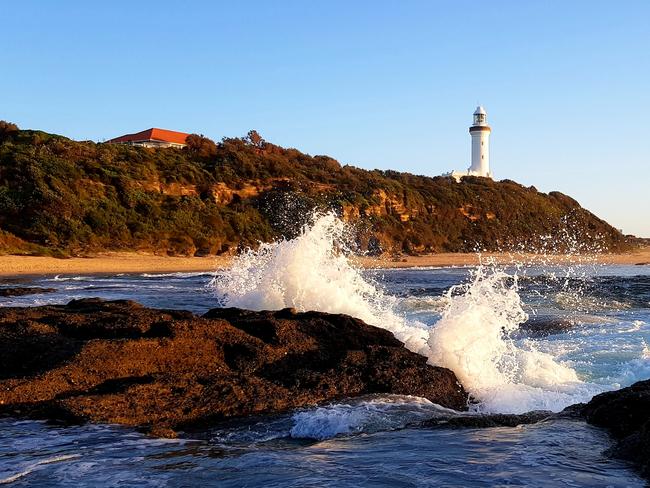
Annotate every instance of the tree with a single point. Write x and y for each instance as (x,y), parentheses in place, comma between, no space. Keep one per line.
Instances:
(7,129)
(201,146)
(255,139)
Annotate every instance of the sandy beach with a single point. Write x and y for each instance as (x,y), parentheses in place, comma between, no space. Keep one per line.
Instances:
(107,263)
(11,265)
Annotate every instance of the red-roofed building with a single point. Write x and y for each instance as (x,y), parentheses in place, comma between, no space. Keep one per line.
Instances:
(152,138)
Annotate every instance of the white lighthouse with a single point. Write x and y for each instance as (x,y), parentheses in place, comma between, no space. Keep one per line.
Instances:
(480,132)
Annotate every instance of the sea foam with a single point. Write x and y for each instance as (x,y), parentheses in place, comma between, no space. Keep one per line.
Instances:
(365,415)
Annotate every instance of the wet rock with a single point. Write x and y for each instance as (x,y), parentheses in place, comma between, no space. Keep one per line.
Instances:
(542,326)
(625,413)
(545,325)
(18,291)
(490,420)
(167,370)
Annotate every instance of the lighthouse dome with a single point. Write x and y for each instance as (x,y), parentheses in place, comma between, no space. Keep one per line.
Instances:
(480,110)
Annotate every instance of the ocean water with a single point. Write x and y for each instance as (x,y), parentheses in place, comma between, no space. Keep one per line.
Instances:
(520,338)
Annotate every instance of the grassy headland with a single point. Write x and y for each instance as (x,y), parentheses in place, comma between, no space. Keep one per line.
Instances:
(61,197)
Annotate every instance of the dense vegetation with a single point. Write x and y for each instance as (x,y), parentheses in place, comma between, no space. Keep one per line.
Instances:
(67,197)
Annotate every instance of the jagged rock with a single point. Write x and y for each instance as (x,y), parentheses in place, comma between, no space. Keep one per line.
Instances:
(166,370)
(543,326)
(18,291)
(625,413)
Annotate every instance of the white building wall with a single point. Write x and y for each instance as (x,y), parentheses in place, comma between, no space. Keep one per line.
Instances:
(480,153)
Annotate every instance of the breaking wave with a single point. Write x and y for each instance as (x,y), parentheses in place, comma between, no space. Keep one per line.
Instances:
(365,415)
(472,337)
(35,466)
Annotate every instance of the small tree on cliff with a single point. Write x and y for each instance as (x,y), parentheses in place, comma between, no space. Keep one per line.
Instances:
(7,129)
(255,139)
(201,146)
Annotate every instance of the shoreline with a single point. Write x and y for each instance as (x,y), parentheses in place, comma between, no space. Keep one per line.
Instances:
(638,257)
(132,262)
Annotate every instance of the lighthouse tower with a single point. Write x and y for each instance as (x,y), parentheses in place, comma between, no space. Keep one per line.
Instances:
(480,132)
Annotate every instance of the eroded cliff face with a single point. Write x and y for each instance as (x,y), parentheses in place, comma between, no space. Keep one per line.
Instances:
(402,222)
(382,204)
(389,222)
(389,204)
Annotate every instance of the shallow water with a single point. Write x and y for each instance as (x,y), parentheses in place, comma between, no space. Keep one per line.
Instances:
(556,453)
(372,441)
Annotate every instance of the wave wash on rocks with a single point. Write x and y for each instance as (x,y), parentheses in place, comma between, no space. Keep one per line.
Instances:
(472,337)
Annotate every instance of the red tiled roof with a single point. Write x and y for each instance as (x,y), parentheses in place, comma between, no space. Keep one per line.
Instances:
(153,134)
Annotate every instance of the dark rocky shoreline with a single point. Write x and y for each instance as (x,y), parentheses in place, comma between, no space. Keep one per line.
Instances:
(19,291)
(625,414)
(164,371)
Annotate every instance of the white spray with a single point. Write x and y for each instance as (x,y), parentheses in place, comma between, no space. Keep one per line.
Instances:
(311,272)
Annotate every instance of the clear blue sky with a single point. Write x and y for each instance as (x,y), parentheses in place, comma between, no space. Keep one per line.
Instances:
(374,84)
